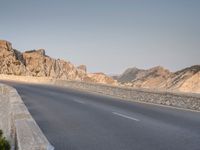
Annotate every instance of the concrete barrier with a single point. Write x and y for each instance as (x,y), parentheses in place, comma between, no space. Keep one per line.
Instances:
(180,100)
(17,123)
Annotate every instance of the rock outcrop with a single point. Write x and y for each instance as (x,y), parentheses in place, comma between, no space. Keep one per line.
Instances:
(37,64)
(10,60)
(101,78)
(186,80)
(129,75)
(40,65)
(152,78)
(83,68)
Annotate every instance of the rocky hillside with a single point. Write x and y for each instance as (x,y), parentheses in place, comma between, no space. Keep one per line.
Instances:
(151,78)
(36,63)
(129,75)
(186,80)
(102,78)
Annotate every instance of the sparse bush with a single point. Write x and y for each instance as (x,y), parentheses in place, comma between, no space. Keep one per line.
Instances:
(4,144)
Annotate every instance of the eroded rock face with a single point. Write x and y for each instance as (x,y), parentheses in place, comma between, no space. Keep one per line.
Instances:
(83,68)
(101,78)
(129,75)
(36,63)
(185,80)
(41,65)
(9,60)
(152,78)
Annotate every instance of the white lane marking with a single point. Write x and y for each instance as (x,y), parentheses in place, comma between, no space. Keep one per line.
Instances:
(125,116)
(78,101)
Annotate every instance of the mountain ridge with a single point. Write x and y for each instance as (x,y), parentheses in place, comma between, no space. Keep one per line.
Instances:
(37,64)
(184,80)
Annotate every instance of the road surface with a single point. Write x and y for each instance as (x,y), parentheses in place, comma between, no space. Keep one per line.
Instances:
(77,120)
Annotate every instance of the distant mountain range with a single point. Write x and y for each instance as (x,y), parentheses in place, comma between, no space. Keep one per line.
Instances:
(36,63)
(185,80)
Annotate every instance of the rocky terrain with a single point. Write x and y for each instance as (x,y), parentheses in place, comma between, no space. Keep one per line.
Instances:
(102,78)
(129,75)
(185,80)
(37,64)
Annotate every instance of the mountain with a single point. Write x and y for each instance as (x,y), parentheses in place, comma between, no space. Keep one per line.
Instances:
(185,80)
(102,78)
(36,63)
(129,75)
(151,78)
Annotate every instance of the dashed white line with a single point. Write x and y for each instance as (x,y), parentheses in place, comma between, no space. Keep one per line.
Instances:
(78,101)
(125,116)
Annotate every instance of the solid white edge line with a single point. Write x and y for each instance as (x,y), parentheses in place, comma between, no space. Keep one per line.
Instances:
(125,116)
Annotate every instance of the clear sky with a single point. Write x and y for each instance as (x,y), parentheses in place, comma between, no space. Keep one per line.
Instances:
(106,35)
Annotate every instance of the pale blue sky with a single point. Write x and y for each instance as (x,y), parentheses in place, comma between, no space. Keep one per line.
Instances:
(107,35)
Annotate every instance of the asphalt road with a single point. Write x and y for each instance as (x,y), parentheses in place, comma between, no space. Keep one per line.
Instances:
(76,120)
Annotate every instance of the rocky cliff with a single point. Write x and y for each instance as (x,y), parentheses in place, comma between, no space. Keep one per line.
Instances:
(129,75)
(36,63)
(11,61)
(102,78)
(185,80)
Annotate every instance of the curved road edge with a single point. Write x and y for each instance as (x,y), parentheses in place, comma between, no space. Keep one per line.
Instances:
(17,123)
